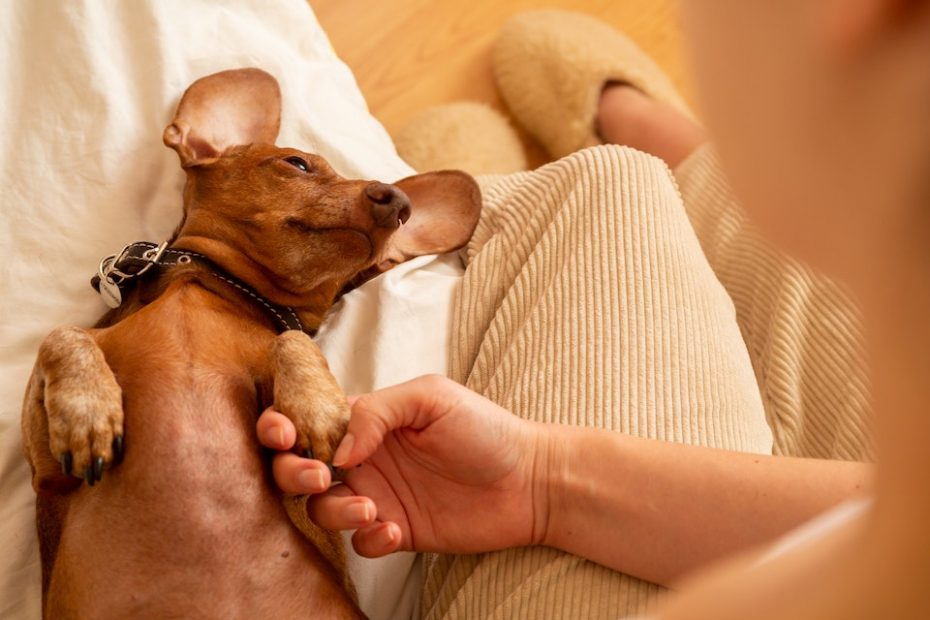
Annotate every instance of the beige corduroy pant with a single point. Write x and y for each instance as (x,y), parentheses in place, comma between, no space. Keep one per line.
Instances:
(598,294)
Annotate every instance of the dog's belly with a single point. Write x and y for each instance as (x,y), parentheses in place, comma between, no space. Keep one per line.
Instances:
(189,525)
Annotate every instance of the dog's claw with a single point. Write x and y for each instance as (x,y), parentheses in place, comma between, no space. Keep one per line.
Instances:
(309,453)
(98,468)
(89,476)
(336,473)
(118,449)
(67,462)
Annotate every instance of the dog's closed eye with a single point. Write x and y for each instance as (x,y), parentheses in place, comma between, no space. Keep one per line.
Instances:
(297,224)
(298,162)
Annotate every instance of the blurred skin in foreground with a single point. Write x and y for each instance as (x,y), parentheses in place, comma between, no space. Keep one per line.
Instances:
(820,111)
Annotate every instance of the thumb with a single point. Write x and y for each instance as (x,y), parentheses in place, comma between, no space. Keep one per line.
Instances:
(406,405)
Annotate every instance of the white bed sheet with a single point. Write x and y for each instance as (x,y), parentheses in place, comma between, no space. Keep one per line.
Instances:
(86,88)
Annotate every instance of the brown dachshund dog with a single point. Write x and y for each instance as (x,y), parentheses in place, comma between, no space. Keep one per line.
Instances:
(207,331)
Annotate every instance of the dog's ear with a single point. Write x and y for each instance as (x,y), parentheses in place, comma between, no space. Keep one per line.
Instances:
(444,209)
(230,108)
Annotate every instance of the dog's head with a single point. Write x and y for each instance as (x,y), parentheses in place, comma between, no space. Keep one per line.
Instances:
(282,219)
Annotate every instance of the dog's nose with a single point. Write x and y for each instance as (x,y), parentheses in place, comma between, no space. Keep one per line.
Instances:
(389,206)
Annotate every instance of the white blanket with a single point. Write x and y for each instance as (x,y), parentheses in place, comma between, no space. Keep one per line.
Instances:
(87,88)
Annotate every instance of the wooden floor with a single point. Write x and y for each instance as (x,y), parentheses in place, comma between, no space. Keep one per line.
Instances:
(412,54)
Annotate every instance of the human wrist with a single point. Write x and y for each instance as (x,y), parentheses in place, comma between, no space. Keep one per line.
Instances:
(585,474)
(550,475)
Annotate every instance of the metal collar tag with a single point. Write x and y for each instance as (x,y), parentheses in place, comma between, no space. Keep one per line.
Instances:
(111,277)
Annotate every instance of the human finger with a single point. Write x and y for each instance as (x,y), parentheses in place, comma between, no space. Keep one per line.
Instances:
(340,509)
(410,404)
(295,474)
(378,540)
(275,430)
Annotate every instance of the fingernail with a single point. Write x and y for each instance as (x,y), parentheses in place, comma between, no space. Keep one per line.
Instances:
(389,534)
(311,479)
(344,450)
(359,512)
(275,436)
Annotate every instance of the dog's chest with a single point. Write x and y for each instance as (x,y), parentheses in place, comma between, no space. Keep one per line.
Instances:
(193,501)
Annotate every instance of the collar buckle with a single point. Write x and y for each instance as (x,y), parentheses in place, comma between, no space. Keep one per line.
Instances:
(117,271)
(112,267)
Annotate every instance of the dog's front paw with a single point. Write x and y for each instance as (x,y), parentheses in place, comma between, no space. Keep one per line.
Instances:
(75,399)
(85,426)
(321,423)
(306,392)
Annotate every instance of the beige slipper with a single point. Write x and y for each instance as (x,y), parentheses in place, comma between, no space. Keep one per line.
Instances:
(551,65)
(466,135)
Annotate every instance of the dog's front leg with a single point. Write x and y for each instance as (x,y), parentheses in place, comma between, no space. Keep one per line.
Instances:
(307,393)
(72,414)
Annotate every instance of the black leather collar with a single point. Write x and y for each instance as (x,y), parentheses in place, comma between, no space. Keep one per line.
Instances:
(118,272)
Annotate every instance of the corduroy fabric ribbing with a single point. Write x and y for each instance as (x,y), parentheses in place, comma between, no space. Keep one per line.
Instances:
(803,331)
(588,301)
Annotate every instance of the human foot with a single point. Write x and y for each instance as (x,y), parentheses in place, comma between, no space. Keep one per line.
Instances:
(629,117)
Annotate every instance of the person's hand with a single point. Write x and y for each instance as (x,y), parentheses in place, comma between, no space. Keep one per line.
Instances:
(430,466)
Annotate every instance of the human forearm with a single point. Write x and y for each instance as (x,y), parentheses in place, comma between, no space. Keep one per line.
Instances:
(656,509)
